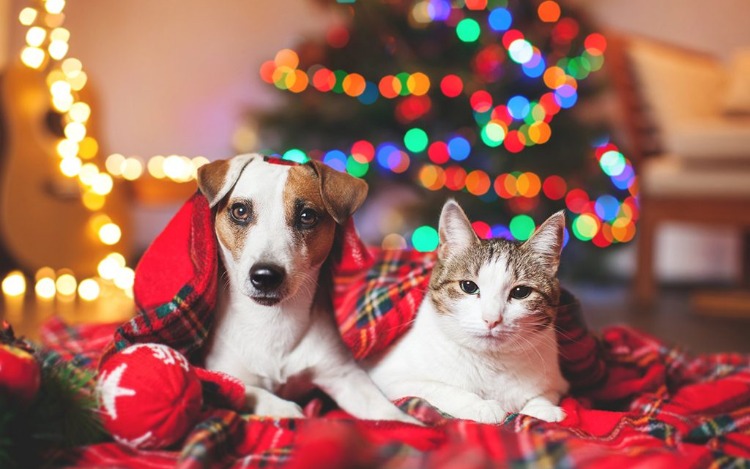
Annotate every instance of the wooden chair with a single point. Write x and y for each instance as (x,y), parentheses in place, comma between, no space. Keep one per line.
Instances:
(709,188)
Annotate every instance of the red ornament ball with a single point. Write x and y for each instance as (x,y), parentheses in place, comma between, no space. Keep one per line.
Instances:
(20,376)
(149,395)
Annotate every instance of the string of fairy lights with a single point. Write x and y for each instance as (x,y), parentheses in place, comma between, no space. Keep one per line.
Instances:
(515,123)
(46,50)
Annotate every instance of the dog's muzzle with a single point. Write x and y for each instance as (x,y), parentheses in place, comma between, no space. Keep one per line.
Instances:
(266,279)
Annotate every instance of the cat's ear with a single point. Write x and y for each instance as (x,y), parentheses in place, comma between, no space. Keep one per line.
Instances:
(456,233)
(547,241)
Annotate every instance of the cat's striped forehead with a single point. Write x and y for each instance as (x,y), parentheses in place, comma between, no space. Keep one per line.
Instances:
(507,260)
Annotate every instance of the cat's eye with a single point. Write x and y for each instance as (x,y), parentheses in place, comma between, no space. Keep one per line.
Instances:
(239,212)
(469,287)
(520,292)
(308,218)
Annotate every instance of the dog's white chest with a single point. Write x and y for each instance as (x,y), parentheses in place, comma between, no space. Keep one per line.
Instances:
(257,344)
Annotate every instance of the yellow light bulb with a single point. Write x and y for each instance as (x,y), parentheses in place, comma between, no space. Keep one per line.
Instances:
(156,167)
(54,6)
(79,81)
(14,284)
(71,67)
(88,147)
(80,112)
(57,49)
(70,166)
(114,164)
(88,174)
(45,288)
(27,16)
(174,167)
(110,234)
(62,102)
(124,278)
(93,201)
(35,36)
(66,284)
(75,131)
(32,57)
(59,34)
(67,148)
(132,169)
(60,87)
(44,272)
(89,289)
(102,184)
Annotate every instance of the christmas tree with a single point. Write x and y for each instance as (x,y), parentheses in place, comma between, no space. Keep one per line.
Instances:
(471,99)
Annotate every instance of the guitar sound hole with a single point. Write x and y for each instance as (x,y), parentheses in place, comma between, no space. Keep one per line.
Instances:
(53,121)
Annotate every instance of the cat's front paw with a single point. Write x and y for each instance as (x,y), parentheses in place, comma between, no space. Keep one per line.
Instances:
(546,412)
(482,411)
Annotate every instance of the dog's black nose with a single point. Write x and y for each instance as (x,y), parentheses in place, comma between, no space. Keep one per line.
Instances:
(266,277)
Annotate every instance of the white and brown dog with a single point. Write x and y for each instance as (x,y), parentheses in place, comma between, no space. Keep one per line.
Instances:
(275,327)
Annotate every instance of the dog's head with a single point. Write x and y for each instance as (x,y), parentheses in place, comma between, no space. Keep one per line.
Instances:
(275,223)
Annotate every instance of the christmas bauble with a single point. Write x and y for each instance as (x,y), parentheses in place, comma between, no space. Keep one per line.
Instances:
(19,374)
(150,396)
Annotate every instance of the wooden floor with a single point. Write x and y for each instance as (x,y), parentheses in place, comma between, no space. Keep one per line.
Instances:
(673,317)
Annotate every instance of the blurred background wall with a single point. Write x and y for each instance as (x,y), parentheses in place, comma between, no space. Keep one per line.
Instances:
(177,77)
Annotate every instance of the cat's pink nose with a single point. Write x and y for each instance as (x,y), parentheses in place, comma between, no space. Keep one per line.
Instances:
(492,323)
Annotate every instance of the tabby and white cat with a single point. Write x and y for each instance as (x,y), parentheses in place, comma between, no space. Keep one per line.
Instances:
(483,342)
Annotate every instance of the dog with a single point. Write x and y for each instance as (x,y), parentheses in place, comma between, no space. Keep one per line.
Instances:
(275,329)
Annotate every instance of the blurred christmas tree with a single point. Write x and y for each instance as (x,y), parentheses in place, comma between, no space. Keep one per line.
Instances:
(468,99)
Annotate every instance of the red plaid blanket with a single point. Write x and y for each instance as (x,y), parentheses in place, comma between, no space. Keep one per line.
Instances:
(659,407)
(634,400)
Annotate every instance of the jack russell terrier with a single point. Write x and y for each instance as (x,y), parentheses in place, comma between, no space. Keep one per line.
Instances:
(275,328)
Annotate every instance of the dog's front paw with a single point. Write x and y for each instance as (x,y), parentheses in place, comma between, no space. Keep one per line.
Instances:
(544,411)
(272,406)
(265,403)
(482,411)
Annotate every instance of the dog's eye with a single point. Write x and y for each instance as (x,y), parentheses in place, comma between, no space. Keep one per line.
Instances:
(520,292)
(239,212)
(469,287)
(308,218)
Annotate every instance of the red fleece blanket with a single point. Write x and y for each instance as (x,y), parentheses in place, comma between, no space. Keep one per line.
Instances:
(660,407)
(634,400)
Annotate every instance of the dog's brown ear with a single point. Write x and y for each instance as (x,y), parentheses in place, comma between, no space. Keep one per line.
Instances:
(342,193)
(216,179)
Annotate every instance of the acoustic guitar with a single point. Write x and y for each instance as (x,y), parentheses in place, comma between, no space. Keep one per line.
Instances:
(43,221)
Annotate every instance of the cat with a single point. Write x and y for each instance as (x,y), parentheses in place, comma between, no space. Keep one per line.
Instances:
(483,342)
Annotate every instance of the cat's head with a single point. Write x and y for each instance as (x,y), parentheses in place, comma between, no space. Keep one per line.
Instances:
(495,294)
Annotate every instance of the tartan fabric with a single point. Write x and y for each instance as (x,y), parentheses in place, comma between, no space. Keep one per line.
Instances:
(634,399)
(656,406)
(670,409)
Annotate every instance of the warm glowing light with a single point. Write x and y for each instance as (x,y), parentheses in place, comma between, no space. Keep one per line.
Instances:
(57,49)
(14,284)
(35,36)
(124,278)
(32,57)
(103,184)
(89,289)
(88,173)
(156,167)
(196,163)
(93,201)
(54,6)
(67,148)
(60,87)
(80,112)
(110,234)
(114,163)
(45,288)
(75,131)
(27,16)
(549,11)
(71,67)
(88,147)
(78,81)
(175,167)
(66,284)
(132,169)
(70,166)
